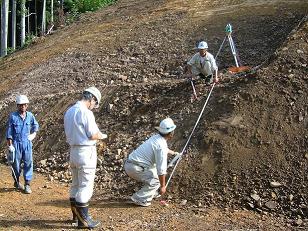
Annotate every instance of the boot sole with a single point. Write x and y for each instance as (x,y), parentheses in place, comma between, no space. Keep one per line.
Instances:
(84,227)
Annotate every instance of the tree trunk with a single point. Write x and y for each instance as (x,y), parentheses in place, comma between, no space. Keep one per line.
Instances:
(51,12)
(36,24)
(4,26)
(22,22)
(43,18)
(13,26)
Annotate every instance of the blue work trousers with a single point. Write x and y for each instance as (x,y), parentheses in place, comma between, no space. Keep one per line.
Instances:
(23,154)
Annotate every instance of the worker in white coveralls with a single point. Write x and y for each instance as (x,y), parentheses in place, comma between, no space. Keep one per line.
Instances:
(82,134)
(203,65)
(148,164)
(21,130)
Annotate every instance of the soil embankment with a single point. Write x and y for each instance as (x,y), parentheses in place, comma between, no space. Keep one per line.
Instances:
(249,151)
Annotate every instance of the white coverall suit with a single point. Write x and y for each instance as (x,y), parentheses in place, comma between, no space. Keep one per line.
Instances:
(79,125)
(145,164)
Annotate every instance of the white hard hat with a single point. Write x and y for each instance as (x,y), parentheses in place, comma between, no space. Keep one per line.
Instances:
(203,45)
(96,93)
(22,99)
(166,126)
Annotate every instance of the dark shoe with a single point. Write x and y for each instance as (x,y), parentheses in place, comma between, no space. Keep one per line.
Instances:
(73,208)
(85,221)
(19,186)
(207,79)
(28,189)
(202,76)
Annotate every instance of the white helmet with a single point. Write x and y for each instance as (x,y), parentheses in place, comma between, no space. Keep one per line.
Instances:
(22,99)
(203,45)
(96,93)
(166,126)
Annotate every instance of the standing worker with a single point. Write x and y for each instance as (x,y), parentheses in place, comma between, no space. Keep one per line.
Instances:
(21,130)
(82,134)
(148,164)
(203,65)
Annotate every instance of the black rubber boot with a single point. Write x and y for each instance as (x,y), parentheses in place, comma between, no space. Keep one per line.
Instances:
(73,208)
(84,219)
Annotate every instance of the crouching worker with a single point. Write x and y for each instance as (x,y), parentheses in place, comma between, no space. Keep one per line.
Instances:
(82,133)
(148,164)
(21,130)
(203,65)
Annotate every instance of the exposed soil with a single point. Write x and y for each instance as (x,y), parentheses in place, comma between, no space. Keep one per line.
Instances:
(246,165)
(47,208)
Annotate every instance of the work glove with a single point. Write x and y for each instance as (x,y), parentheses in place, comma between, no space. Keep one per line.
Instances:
(32,136)
(102,136)
(11,148)
(175,159)
(10,155)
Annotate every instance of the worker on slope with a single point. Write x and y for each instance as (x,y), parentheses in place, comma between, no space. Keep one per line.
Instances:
(21,130)
(82,134)
(148,164)
(203,65)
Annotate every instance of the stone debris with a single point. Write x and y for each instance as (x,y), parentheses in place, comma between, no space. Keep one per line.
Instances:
(271,204)
(275,184)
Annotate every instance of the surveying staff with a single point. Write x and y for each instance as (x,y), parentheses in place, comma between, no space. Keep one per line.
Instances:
(82,133)
(203,64)
(21,130)
(148,164)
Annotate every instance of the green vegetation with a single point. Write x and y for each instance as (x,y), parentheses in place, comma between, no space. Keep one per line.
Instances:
(59,13)
(82,6)
(29,39)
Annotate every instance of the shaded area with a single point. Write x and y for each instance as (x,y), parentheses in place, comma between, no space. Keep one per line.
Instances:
(35,224)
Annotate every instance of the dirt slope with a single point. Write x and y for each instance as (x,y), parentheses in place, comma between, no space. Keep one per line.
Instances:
(260,136)
(253,133)
(48,209)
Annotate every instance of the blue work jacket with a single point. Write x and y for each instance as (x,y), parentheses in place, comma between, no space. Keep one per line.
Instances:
(19,129)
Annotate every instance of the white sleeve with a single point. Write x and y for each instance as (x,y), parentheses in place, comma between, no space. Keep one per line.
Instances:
(161,160)
(90,124)
(213,63)
(193,60)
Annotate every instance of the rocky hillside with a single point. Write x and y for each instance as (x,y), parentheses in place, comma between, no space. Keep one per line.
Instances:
(250,148)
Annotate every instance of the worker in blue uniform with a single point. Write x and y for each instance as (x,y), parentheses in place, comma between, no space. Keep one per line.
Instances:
(21,130)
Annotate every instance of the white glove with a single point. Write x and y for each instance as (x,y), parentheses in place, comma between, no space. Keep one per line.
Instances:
(175,159)
(11,148)
(32,136)
(102,136)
